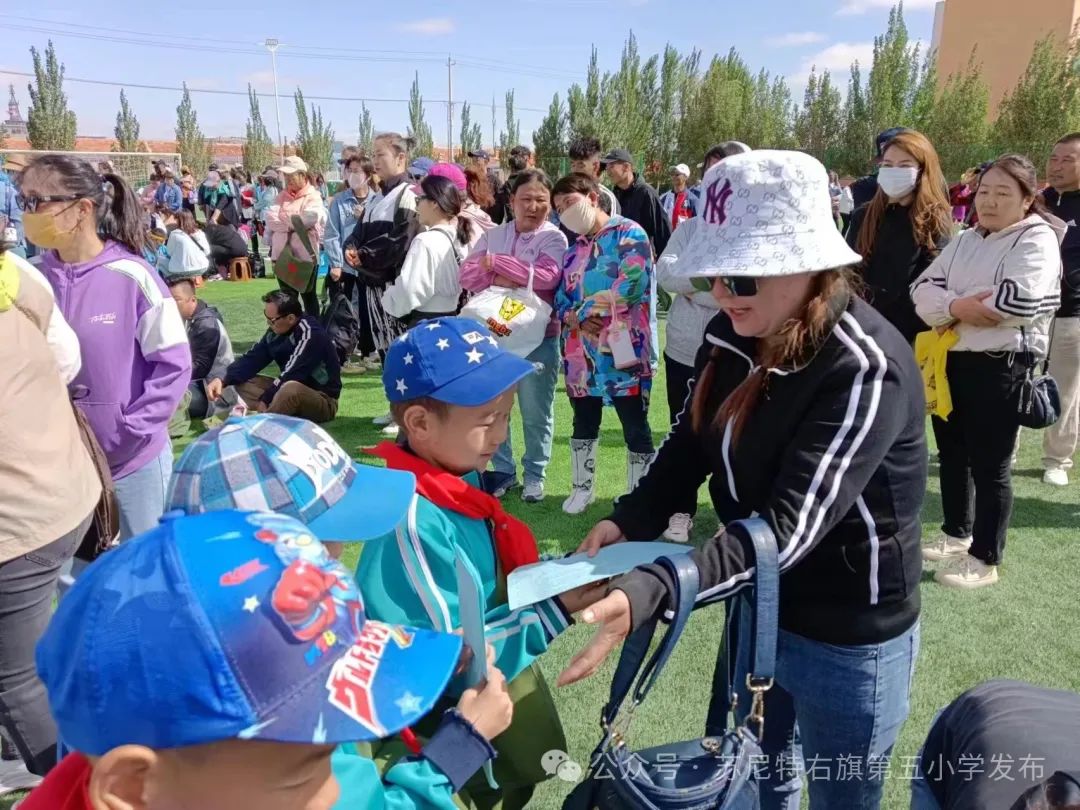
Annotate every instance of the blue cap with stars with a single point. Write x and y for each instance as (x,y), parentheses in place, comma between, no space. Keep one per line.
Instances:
(231,625)
(454,360)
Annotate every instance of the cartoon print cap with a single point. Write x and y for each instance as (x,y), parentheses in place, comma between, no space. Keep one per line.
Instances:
(765,213)
(452,360)
(274,463)
(231,625)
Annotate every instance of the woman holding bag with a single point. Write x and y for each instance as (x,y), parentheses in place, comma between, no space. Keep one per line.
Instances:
(808,411)
(299,204)
(528,246)
(998,286)
(603,305)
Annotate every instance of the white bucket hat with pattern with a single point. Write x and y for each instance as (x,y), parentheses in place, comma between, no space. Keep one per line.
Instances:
(765,213)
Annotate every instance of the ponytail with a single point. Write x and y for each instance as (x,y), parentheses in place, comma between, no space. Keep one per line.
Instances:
(117,210)
(120,218)
(464,229)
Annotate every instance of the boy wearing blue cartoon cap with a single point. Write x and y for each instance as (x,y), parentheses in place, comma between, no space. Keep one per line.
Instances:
(184,671)
(451,388)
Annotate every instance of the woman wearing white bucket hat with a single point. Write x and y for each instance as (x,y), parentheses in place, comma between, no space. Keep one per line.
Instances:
(807,411)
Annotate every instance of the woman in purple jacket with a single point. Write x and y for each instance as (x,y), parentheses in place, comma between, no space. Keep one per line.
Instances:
(505,256)
(136,362)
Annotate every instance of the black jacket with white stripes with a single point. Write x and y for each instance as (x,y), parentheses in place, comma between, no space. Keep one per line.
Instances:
(833,456)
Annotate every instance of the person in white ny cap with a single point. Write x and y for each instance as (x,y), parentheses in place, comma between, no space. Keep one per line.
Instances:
(677,202)
(808,412)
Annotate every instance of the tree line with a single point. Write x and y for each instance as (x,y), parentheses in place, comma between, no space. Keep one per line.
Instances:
(670,107)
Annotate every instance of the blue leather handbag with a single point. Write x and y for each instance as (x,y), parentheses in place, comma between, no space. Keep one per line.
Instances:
(712,773)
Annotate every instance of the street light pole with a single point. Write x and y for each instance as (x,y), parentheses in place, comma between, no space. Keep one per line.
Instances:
(272,45)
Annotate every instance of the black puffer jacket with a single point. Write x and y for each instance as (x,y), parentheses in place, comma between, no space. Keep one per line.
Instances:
(833,456)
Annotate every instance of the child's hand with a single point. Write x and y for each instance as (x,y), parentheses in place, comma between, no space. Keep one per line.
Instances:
(488,706)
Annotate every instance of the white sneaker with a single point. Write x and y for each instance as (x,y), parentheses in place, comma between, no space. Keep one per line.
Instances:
(384,420)
(14,776)
(533,492)
(579,500)
(678,528)
(946,548)
(391,431)
(1056,477)
(372,362)
(967,574)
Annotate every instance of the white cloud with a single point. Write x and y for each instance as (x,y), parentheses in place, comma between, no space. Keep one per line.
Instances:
(862,6)
(794,39)
(837,60)
(429,27)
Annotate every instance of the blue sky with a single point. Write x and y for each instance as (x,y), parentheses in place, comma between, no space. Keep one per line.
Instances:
(540,47)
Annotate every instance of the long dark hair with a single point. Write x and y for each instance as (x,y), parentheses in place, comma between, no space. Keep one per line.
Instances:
(117,209)
(450,200)
(930,212)
(1022,170)
(478,188)
(800,338)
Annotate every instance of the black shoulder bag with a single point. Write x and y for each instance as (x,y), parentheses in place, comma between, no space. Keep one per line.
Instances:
(712,773)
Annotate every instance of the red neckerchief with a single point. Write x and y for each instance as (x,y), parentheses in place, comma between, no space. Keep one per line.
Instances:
(514,541)
(67,787)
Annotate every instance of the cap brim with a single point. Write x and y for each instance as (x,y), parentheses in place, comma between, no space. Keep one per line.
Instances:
(765,255)
(374,504)
(396,680)
(286,170)
(485,382)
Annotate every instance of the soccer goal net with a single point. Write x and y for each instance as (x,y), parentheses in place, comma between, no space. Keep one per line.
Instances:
(134,167)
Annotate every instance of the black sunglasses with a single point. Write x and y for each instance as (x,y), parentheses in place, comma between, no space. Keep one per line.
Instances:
(30,203)
(738,286)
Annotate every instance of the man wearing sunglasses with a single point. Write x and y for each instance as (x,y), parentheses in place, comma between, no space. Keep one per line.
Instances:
(310,382)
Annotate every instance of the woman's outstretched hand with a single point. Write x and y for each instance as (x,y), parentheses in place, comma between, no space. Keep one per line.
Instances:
(604,533)
(612,614)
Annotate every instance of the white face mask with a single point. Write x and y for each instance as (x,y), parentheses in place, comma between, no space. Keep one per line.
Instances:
(579,217)
(897,181)
(357,181)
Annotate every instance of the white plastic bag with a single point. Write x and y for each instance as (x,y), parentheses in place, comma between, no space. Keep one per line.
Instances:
(517,317)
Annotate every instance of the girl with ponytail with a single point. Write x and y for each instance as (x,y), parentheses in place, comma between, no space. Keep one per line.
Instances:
(430,285)
(808,412)
(136,363)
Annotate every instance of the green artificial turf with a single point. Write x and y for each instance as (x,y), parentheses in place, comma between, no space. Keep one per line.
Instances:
(1026,627)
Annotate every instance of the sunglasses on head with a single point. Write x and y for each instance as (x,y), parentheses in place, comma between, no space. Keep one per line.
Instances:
(30,203)
(738,286)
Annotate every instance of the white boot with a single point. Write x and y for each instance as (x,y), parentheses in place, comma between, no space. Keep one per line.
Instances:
(583,464)
(636,465)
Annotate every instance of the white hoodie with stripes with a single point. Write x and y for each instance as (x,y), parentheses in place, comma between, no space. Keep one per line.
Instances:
(1020,266)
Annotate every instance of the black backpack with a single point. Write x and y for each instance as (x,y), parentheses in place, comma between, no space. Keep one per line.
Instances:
(341,323)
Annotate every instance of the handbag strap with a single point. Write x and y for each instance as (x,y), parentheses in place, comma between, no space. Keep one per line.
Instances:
(684,572)
(299,229)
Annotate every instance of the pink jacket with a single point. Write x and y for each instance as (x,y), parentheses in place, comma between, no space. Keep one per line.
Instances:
(308,205)
(513,255)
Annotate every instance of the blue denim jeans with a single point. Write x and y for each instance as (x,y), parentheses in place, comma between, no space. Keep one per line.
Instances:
(141,498)
(536,400)
(832,716)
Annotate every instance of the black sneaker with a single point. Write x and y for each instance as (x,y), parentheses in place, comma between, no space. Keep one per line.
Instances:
(498,483)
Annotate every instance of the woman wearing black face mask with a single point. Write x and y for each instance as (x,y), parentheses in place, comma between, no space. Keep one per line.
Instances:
(902,229)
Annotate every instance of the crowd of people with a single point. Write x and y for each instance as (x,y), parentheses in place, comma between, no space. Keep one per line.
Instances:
(814,323)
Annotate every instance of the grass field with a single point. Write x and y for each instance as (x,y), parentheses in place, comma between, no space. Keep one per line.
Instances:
(1027,627)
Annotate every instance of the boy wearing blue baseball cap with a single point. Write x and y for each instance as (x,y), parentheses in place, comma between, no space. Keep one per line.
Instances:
(215,662)
(451,388)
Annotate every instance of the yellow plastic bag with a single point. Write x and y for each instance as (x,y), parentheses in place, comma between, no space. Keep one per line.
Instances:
(931,352)
(9,281)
